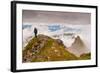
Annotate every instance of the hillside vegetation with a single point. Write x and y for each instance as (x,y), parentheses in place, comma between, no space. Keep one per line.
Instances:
(43,48)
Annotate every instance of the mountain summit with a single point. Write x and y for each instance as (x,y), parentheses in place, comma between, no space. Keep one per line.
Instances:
(78,43)
(78,47)
(44,48)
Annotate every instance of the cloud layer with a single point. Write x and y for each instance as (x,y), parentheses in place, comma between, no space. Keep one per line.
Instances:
(32,16)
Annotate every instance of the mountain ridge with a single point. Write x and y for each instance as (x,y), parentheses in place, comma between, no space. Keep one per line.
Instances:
(44,48)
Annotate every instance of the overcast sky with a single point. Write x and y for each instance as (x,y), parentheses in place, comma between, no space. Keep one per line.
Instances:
(32,16)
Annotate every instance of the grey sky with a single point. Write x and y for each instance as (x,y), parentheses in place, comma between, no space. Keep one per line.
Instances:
(32,16)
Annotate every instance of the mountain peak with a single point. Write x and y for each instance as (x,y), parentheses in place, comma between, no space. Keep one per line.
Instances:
(78,43)
(78,47)
(45,48)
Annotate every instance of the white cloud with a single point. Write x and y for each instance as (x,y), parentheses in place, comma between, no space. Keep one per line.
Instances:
(84,32)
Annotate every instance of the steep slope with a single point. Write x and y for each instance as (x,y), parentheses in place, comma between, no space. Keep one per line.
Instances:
(44,48)
(78,47)
(78,43)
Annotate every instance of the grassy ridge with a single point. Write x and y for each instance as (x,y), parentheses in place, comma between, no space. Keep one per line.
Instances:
(47,49)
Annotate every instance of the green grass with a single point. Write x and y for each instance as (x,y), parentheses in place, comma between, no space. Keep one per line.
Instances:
(85,56)
(51,51)
(48,53)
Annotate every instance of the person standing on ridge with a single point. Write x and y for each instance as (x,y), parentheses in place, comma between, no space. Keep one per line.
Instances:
(35,32)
